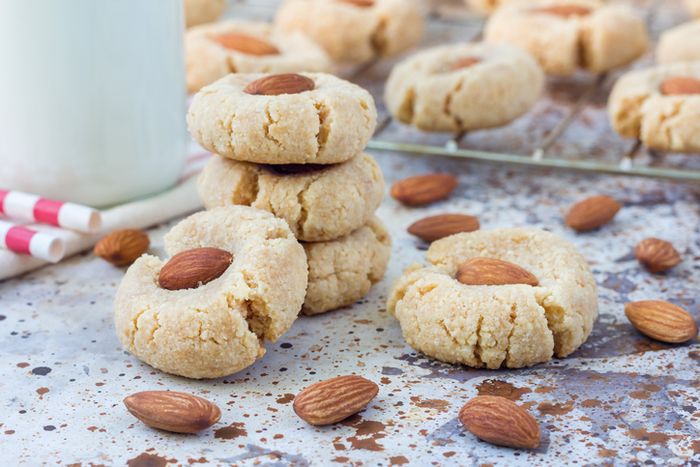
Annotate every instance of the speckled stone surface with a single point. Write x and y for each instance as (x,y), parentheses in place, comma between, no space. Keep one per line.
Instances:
(621,398)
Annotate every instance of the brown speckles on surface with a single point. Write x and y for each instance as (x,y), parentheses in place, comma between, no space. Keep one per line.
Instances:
(22,365)
(233,431)
(555,408)
(368,433)
(41,391)
(433,404)
(494,387)
(146,459)
(285,399)
(398,460)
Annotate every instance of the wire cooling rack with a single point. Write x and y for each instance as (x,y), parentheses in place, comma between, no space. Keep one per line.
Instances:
(567,129)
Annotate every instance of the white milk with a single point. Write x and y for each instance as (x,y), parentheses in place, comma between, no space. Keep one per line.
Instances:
(92,98)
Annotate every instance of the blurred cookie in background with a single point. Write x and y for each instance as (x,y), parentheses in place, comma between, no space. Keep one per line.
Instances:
(203,11)
(680,44)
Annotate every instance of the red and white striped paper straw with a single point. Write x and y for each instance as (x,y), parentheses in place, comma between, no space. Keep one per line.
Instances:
(33,208)
(26,241)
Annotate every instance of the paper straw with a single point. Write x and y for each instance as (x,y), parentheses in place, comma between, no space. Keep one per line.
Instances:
(26,241)
(33,208)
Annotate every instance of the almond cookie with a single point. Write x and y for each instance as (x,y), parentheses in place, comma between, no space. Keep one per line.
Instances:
(464,87)
(319,202)
(693,7)
(565,35)
(342,271)
(219,327)
(355,30)
(496,326)
(660,106)
(486,6)
(283,119)
(680,44)
(214,50)
(203,11)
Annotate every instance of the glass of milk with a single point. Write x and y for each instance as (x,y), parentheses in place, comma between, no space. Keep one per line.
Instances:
(92,98)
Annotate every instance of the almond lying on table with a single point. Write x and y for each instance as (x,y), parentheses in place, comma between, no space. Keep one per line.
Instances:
(178,412)
(657,255)
(500,421)
(436,227)
(122,247)
(423,189)
(662,321)
(335,399)
(592,213)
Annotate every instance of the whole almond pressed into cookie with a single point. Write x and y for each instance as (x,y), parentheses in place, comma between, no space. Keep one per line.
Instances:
(246,44)
(564,10)
(465,62)
(423,189)
(490,271)
(500,421)
(335,399)
(657,255)
(360,3)
(122,247)
(680,85)
(274,85)
(436,227)
(662,321)
(192,268)
(177,412)
(592,213)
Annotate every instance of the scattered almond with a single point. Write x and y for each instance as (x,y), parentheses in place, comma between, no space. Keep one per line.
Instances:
(434,228)
(335,399)
(274,85)
(423,189)
(662,321)
(657,255)
(192,268)
(360,3)
(592,213)
(500,421)
(490,271)
(122,247)
(565,11)
(246,44)
(680,85)
(465,62)
(178,412)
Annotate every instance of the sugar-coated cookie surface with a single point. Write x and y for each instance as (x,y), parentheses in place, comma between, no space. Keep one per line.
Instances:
(203,11)
(342,271)
(638,108)
(497,326)
(220,327)
(319,203)
(565,35)
(355,31)
(236,46)
(680,44)
(463,86)
(329,124)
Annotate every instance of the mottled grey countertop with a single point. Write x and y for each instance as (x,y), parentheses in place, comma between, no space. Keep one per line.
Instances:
(621,398)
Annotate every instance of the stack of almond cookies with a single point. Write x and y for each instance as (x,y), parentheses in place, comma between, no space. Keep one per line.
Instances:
(292,144)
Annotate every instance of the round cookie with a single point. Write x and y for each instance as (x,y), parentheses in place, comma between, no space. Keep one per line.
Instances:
(680,44)
(565,35)
(660,106)
(463,87)
(318,202)
(355,30)
(328,124)
(693,7)
(203,11)
(342,271)
(220,327)
(214,50)
(497,326)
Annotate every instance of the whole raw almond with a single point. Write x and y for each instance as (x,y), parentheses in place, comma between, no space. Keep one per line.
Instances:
(680,85)
(178,412)
(192,268)
(122,247)
(335,399)
(565,11)
(360,3)
(592,213)
(490,271)
(662,321)
(657,255)
(274,85)
(434,228)
(246,44)
(500,421)
(423,189)
(465,62)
